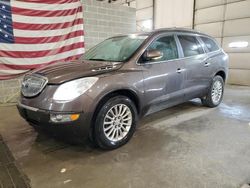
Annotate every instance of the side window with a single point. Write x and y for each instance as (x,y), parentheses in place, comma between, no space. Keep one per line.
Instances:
(190,45)
(167,46)
(210,44)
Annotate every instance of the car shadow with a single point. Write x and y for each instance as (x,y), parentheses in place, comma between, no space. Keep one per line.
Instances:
(52,143)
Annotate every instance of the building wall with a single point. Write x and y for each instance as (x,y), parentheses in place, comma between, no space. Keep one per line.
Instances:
(228,21)
(130,3)
(144,15)
(144,12)
(174,13)
(101,20)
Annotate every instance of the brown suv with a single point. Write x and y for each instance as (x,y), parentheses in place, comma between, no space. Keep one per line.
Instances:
(125,77)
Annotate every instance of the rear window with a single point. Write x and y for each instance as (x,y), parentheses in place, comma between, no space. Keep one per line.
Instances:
(190,45)
(210,44)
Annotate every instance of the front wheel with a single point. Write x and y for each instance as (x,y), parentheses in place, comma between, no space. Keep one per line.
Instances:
(215,93)
(115,123)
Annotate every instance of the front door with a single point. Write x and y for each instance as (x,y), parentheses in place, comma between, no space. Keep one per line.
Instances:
(162,80)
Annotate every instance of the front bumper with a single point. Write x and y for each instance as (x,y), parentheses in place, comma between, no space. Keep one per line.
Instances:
(40,119)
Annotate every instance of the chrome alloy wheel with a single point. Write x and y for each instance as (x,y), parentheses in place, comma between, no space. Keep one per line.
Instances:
(217,91)
(117,122)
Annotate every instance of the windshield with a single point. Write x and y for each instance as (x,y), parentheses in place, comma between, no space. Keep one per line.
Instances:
(117,49)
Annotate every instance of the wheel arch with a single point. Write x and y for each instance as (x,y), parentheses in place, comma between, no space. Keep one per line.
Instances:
(222,74)
(125,92)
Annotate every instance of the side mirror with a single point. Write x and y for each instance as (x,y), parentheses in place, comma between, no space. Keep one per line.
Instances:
(152,55)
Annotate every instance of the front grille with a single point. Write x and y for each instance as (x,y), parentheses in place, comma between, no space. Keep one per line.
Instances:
(33,84)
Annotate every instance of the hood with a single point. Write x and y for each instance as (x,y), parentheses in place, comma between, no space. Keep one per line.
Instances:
(62,72)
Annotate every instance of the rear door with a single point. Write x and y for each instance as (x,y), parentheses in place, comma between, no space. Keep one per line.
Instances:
(213,59)
(162,82)
(194,60)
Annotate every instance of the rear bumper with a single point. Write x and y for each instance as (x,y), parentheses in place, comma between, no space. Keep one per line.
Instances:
(40,119)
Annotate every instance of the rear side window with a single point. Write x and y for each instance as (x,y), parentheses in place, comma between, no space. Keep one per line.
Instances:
(190,45)
(210,44)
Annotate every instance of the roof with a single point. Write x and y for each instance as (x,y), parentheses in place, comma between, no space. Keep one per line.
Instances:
(165,30)
(175,29)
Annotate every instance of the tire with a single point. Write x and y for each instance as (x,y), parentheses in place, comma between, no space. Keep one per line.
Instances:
(210,100)
(123,125)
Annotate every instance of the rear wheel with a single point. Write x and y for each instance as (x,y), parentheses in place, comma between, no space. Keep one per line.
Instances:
(215,93)
(115,123)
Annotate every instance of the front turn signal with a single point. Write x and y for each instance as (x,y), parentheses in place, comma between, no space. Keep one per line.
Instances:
(74,117)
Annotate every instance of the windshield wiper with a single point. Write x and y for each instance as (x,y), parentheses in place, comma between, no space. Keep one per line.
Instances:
(93,59)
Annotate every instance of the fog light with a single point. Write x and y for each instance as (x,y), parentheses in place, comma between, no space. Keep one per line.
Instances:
(60,118)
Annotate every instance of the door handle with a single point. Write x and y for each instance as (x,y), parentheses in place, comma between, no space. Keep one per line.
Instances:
(179,70)
(207,64)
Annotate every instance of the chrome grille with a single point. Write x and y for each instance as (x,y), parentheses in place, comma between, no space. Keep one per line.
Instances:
(33,84)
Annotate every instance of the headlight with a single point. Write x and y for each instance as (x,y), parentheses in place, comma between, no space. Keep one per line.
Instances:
(73,89)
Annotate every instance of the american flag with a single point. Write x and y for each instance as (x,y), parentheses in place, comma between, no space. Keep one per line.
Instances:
(34,33)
